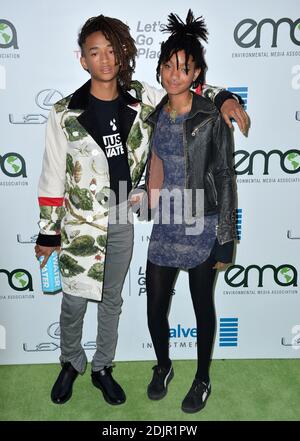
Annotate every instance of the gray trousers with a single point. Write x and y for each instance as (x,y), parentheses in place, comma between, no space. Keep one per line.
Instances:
(118,256)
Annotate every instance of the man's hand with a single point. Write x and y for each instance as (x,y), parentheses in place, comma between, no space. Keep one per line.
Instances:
(232,109)
(46,252)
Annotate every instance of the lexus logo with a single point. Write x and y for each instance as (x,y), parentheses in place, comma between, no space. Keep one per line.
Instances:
(47,97)
(54,330)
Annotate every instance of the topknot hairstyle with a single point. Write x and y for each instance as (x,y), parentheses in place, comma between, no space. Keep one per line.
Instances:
(119,36)
(185,36)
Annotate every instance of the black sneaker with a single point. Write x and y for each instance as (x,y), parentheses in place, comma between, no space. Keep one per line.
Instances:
(196,397)
(111,390)
(158,387)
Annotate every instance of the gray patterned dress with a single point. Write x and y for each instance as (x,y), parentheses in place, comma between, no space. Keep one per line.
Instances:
(169,244)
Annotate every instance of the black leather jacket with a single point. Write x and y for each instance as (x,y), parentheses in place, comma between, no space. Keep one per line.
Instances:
(208,147)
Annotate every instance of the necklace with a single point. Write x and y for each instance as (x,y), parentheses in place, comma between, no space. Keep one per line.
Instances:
(173,113)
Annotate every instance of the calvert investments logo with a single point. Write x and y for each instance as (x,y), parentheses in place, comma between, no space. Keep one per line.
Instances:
(181,337)
(242,91)
(228,332)
(181,332)
(238,223)
(8,35)
(44,100)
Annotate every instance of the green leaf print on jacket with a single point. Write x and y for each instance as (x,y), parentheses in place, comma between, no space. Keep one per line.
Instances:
(56,226)
(138,87)
(135,136)
(69,267)
(46,212)
(81,198)
(60,211)
(101,241)
(82,246)
(74,130)
(64,237)
(62,104)
(145,110)
(69,165)
(138,170)
(97,271)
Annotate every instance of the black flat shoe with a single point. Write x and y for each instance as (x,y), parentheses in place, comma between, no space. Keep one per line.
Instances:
(111,390)
(62,389)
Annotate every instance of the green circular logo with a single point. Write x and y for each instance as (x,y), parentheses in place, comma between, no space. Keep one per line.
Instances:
(6,34)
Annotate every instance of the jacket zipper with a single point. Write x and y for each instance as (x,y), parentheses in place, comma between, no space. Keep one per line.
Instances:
(213,187)
(201,125)
(185,152)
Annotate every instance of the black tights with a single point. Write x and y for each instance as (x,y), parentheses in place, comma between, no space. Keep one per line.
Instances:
(159,283)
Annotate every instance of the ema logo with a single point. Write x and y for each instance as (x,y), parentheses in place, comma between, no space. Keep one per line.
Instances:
(228,332)
(238,223)
(19,279)
(289,161)
(251,29)
(242,91)
(283,275)
(13,165)
(8,35)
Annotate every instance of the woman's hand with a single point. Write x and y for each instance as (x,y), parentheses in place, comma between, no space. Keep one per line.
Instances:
(232,109)
(221,265)
(136,197)
(46,252)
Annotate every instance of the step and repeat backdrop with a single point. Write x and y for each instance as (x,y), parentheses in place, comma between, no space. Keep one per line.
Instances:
(253,49)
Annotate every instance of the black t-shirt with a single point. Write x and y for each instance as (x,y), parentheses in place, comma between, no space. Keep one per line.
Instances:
(108,130)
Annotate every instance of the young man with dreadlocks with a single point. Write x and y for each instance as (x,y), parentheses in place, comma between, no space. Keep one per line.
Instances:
(192,148)
(97,139)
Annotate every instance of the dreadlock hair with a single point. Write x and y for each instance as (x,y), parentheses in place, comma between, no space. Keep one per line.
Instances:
(185,36)
(117,33)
